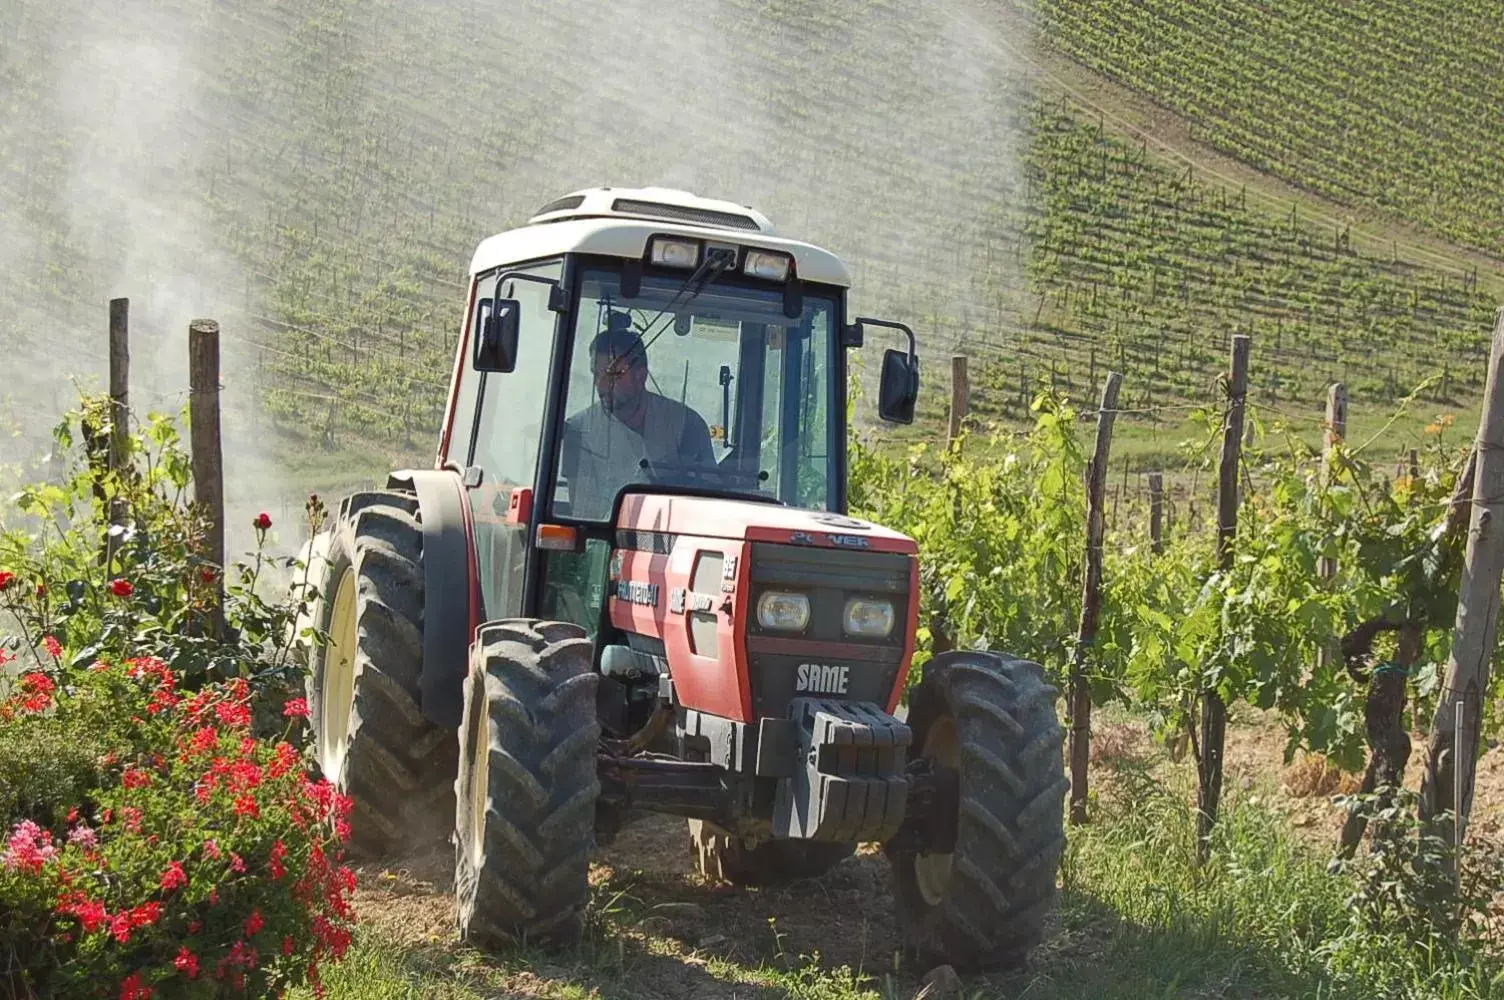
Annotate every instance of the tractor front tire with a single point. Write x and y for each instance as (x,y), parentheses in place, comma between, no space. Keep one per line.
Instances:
(984,905)
(373,741)
(721,856)
(527,786)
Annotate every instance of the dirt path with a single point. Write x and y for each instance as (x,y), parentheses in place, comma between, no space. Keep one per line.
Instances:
(658,931)
(661,932)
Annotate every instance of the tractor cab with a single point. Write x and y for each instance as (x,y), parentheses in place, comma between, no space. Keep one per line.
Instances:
(626,342)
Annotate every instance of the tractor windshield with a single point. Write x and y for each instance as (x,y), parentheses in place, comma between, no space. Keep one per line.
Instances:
(720,391)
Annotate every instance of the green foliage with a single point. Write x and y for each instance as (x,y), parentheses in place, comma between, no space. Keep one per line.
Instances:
(156,594)
(47,766)
(1412,887)
(1001,530)
(1000,537)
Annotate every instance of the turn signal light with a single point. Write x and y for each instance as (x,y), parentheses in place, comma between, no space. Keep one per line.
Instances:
(557,537)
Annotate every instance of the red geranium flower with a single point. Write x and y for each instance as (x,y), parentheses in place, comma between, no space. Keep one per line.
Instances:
(122,588)
(53,647)
(146,914)
(120,927)
(6,579)
(186,963)
(254,923)
(296,708)
(233,715)
(132,989)
(263,521)
(174,877)
(134,777)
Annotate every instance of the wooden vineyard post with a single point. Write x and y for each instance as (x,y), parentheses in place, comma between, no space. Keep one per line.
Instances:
(1079,704)
(1336,433)
(119,457)
(208,459)
(960,397)
(1213,710)
(1157,512)
(1451,754)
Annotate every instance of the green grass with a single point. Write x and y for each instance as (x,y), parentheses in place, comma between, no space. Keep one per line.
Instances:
(1380,106)
(1138,918)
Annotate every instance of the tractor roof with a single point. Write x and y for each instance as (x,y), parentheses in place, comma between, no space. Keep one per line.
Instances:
(617,222)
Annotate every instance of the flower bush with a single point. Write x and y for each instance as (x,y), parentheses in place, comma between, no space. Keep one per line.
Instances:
(160,835)
(205,860)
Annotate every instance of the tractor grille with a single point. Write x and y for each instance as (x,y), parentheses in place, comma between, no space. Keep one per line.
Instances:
(867,667)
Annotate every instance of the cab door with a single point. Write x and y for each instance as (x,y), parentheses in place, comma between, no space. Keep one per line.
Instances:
(499,449)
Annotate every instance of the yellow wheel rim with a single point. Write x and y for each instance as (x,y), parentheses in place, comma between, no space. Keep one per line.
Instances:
(480,765)
(932,871)
(337,692)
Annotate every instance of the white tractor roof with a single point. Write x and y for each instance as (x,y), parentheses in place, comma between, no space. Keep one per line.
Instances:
(617,222)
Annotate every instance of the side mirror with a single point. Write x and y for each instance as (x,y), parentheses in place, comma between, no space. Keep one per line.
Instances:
(497,322)
(898,390)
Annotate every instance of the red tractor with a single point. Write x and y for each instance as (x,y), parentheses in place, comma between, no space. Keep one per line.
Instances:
(630,584)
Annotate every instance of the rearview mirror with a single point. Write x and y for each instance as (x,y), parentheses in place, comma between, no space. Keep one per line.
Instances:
(497,323)
(899,389)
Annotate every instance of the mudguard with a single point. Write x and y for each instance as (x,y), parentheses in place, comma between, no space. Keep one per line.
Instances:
(446,586)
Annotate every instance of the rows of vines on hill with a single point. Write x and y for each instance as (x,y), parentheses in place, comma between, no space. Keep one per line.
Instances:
(349,156)
(1007,575)
(1389,105)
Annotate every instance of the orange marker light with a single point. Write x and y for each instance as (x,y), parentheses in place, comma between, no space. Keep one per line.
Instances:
(557,537)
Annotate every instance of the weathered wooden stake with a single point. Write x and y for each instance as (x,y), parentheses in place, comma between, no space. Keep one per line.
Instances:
(120,403)
(960,397)
(208,459)
(1213,711)
(1450,760)
(1336,433)
(1157,512)
(1091,600)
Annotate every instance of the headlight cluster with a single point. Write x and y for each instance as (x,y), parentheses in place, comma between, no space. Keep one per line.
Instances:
(786,611)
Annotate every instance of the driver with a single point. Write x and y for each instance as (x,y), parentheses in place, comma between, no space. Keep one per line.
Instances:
(605,444)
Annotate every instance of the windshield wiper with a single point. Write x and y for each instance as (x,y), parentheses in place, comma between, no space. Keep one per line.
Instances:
(716,263)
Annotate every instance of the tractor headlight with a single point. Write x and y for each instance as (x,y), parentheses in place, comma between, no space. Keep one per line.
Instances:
(767,264)
(869,618)
(782,611)
(674,253)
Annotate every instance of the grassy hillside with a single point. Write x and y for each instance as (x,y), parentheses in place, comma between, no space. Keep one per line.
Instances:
(315,174)
(1390,105)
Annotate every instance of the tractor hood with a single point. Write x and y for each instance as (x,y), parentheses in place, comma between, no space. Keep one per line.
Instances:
(744,520)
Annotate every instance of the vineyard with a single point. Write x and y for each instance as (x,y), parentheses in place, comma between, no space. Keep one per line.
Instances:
(1384,106)
(1259,592)
(319,184)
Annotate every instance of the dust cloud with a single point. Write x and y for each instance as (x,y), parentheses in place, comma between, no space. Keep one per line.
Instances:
(280,166)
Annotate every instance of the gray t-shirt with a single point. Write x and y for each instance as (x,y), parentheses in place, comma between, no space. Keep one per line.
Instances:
(600,454)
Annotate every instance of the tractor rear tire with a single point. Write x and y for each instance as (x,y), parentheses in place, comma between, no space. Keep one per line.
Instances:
(373,741)
(720,856)
(527,786)
(985,904)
